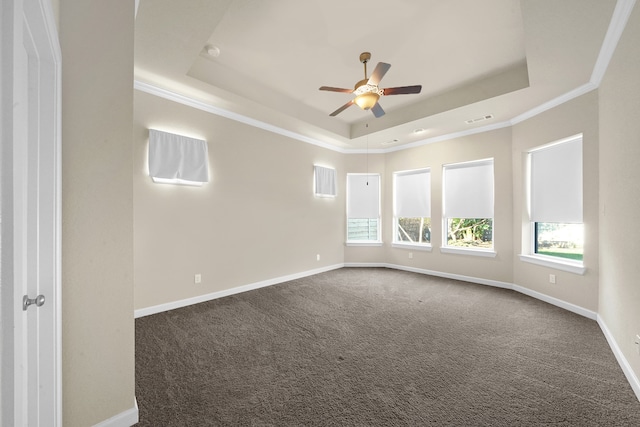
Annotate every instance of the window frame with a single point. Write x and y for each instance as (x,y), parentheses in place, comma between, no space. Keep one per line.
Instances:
(378,241)
(461,250)
(318,186)
(424,246)
(529,254)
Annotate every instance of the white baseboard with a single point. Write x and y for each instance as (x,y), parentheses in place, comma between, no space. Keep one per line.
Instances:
(232,291)
(495,283)
(123,419)
(622,361)
(489,282)
(557,302)
(126,418)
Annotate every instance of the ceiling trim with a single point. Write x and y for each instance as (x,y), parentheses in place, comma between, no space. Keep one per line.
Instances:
(555,102)
(616,27)
(449,136)
(222,112)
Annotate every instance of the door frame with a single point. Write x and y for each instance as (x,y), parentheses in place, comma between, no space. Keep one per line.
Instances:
(38,17)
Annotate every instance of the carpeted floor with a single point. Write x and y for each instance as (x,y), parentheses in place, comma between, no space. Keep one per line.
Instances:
(377,347)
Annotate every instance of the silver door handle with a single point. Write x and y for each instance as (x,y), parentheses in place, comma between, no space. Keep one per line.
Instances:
(26,301)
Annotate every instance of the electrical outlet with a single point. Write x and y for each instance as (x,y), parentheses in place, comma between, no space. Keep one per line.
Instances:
(638,343)
(197,278)
(552,278)
(318,257)
(410,255)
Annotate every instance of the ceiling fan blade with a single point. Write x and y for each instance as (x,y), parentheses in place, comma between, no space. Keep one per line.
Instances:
(377,110)
(341,109)
(378,73)
(336,89)
(402,90)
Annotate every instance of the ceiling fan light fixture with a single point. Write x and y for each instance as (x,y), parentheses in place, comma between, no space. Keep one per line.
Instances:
(367,100)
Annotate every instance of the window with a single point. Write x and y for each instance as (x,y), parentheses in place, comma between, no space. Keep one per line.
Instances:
(468,206)
(556,200)
(177,159)
(363,209)
(324,181)
(412,207)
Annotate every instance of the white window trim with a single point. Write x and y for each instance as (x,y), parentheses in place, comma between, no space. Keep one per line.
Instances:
(394,242)
(462,250)
(424,246)
(379,241)
(445,248)
(363,243)
(415,246)
(555,263)
(576,267)
(487,253)
(335,183)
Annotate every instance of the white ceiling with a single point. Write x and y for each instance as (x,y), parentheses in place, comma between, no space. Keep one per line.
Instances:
(472,58)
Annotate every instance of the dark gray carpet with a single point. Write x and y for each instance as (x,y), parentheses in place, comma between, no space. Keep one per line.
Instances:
(377,347)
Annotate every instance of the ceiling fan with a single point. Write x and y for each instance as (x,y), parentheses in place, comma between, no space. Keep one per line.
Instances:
(367,91)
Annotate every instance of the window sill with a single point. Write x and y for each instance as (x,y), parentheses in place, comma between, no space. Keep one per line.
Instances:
(571,267)
(415,246)
(468,251)
(363,244)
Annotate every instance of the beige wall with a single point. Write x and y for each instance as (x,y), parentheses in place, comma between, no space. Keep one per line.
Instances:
(620,192)
(257,218)
(97,208)
(180,231)
(495,144)
(577,116)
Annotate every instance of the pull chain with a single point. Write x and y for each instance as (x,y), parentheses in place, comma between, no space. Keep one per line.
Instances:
(367,125)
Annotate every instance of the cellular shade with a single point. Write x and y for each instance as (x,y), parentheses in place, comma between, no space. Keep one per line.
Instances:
(325,181)
(363,200)
(177,157)
(556,183)
(413,194)
(468,190)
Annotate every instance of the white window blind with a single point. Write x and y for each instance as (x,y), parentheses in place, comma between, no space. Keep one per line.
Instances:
(413,194)
(177,157)
(363,196)
(325,181)
(556,182)
(468,190)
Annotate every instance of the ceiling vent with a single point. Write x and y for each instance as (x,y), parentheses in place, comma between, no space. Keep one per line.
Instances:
(479,119)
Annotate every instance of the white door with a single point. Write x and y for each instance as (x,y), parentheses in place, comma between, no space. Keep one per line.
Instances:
(31,391)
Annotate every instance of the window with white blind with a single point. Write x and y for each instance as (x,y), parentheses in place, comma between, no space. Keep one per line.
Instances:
(324,181)
(363,209)
(412,208)
(556,201)
(468,193)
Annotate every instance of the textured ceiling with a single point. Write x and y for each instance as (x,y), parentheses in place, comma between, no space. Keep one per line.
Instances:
(495,57)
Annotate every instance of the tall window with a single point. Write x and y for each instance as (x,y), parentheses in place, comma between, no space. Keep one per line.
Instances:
(412,207)
(556,199)
(468,205)
(363,208)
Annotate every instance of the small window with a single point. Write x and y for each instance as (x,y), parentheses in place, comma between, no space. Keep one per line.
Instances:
(468,205)
(412,207)
(324,181)
(363,208)
(556,200)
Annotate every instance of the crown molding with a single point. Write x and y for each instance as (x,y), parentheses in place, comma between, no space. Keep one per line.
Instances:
(223,112)
(618,22)
(619,19)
